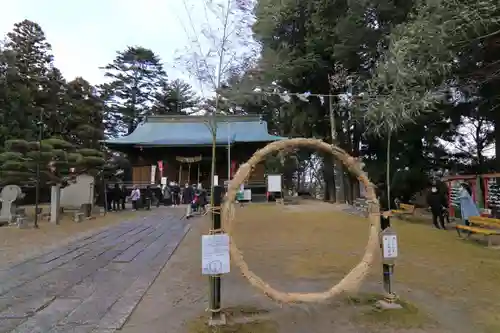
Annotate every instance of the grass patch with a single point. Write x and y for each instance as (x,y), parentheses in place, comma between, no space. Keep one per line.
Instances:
(200,325)
(244,311)
(407,317)
(282,245)
(363,299)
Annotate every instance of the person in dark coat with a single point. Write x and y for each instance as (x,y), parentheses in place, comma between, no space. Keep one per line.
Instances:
(437,203)
(116,197)
(176,192)
(123,196)
(109,198)
(187,194)
(148,197)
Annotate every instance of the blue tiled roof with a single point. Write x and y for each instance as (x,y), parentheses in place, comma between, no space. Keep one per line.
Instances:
(194,131)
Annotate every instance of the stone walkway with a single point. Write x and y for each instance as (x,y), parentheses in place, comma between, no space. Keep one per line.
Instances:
(93,284)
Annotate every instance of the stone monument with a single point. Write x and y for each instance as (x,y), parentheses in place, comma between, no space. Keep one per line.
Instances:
(8,196)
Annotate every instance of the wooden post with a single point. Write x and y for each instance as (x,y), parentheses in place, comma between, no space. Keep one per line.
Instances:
(189,173)
(198,178)
(180,174)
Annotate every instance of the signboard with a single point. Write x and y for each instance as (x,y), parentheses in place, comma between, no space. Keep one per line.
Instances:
(153,174)
(274,183)
(215,257)
(216,180)
(164,180)
(389,245)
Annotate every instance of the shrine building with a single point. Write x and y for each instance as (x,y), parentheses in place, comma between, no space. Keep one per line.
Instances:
(179,148)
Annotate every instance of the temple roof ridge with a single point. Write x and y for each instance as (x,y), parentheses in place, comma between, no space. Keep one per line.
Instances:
(184,130)
(201,119)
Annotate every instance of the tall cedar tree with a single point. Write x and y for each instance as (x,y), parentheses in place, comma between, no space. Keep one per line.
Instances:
(136,74)
(84,109)
(27,62)
(174,97)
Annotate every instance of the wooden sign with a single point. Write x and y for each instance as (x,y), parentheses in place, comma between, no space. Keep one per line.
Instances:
(188,159)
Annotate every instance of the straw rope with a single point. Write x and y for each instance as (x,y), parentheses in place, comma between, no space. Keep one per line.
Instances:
(352,281)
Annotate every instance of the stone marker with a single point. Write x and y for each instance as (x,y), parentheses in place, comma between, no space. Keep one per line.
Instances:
(8,195)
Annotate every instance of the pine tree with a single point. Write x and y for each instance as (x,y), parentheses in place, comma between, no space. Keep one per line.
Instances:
(174,97)
(84,115)
(28,60)
(136,74)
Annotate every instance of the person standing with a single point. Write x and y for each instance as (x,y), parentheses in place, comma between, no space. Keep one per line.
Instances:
(187,194)
(116,197)
(109,198)
(176,190)
(167,195)
(437,203)
(468,207)
(123,196)
(148,197)
(135,196)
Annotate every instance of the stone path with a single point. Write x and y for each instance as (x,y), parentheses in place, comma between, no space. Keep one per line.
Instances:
(93,284)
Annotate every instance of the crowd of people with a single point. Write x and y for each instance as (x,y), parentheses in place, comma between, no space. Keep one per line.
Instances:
(172,194)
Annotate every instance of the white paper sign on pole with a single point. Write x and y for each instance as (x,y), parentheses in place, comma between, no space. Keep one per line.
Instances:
(153,174)
(215,254)
(164,180)
(390,246)
(216,180)
(274,183)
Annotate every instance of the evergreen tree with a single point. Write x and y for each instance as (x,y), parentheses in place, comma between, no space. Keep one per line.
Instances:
(84,115)
(174,97)
(136,74)
(25,63)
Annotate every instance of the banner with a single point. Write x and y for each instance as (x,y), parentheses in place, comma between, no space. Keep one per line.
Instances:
(153,174)
(233,168)
(160,167)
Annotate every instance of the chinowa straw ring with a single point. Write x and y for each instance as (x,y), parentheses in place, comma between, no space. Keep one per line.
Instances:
(352,281)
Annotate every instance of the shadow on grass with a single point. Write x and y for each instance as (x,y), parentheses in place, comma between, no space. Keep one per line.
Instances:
(407,317)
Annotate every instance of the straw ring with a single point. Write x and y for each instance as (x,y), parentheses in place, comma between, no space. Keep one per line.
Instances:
(352,281)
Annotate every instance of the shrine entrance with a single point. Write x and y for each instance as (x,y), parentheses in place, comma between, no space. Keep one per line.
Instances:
(187,172)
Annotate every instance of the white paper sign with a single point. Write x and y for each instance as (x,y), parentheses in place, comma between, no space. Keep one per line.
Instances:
(164,180)
(216,180)
(153,174)
(274,183)
(215,254)
(390,246)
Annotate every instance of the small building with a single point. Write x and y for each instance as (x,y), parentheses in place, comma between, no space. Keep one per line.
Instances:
(179,148)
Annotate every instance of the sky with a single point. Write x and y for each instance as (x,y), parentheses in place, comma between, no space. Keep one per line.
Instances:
(87,34)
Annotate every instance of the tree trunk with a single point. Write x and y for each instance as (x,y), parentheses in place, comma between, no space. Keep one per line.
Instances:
(497,141)
(388,169)
(329,179)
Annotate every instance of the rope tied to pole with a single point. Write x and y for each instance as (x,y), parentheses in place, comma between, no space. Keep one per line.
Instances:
(352,281)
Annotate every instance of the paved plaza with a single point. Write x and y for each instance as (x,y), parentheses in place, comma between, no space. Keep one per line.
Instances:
(91,285)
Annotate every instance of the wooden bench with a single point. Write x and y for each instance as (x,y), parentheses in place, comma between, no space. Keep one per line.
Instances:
(487,233)
(404,209)
(485,221)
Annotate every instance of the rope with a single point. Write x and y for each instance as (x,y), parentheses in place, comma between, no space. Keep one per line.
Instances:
(216,231)
(213,310)
(352,281)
